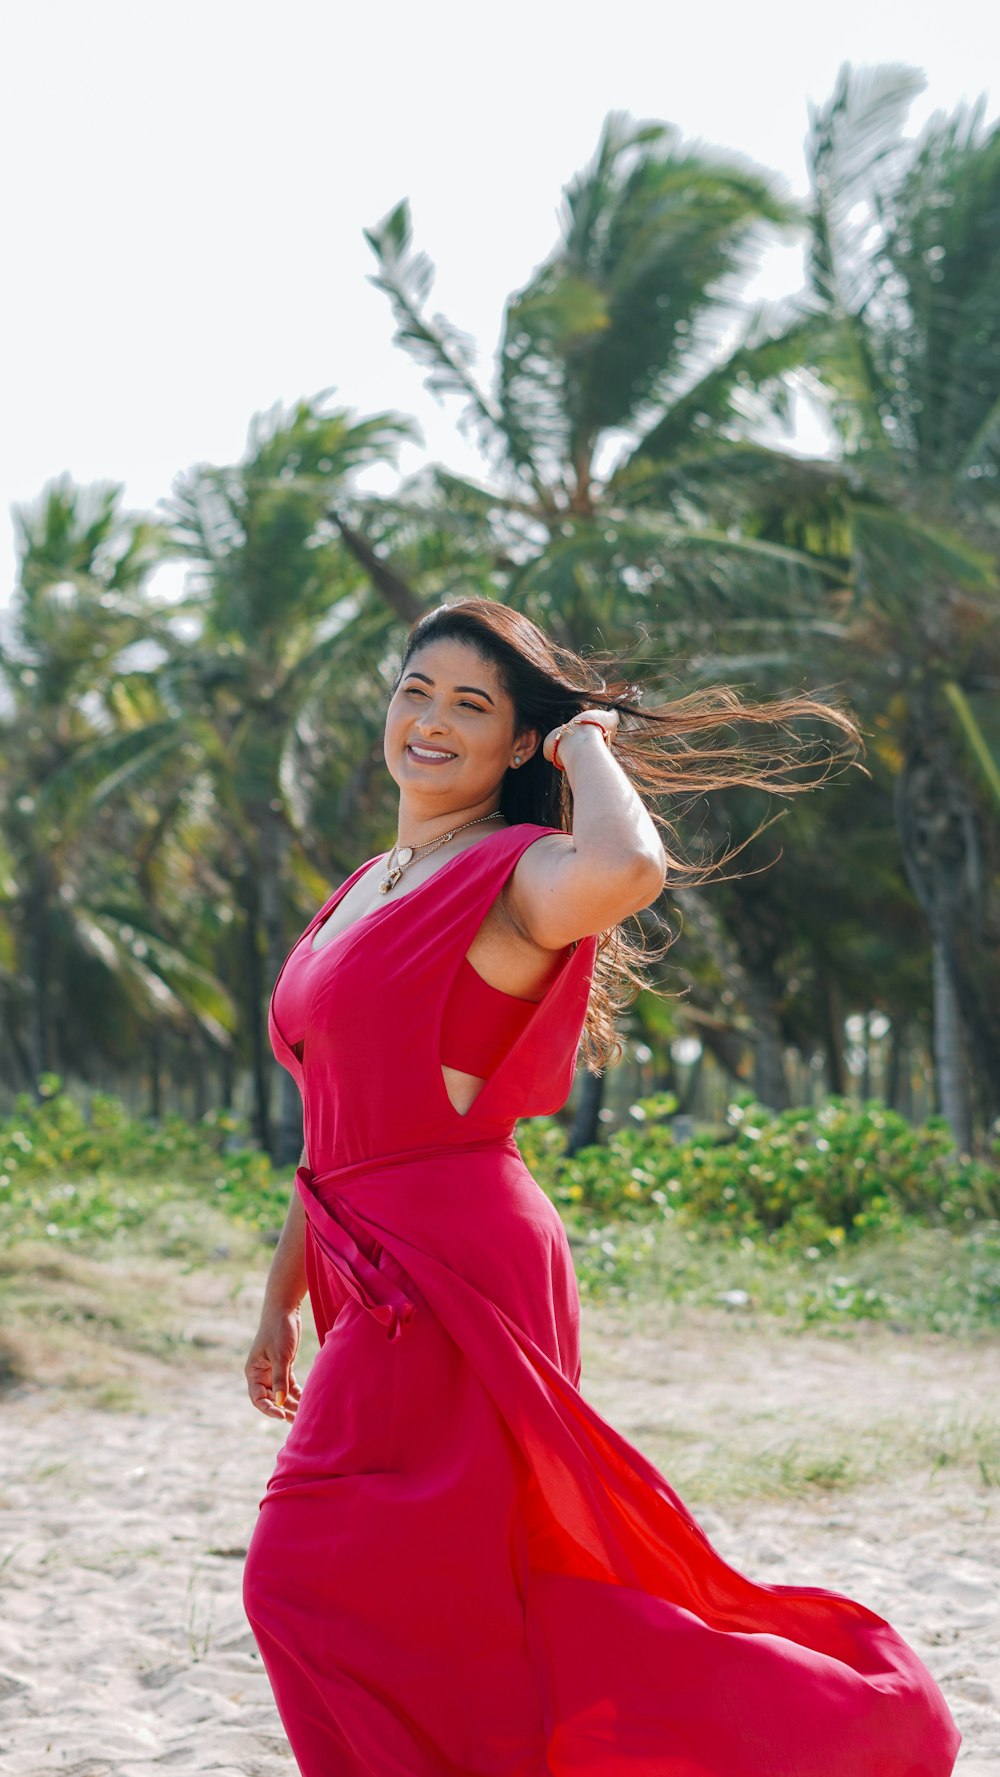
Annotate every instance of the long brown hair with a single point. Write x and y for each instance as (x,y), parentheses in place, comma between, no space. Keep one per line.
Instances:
(706,740)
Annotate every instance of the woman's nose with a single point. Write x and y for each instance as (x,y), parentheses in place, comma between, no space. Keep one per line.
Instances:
(431,720)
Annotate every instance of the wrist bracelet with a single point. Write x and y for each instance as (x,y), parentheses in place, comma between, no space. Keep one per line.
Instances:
(577,722)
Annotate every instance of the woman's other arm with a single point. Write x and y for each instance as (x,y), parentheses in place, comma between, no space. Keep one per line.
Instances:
(567,886)
(271,1382)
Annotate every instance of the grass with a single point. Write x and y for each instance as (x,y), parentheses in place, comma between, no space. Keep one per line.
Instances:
(913,1278)
(109,1275)
(103,1316)
(82,1261)
(744,1405)
(744,1371)
(826,1456)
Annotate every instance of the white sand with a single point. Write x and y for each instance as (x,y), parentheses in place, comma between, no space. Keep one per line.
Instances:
(123,1646)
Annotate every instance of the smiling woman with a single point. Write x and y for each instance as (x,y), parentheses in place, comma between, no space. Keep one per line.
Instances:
(459,1568)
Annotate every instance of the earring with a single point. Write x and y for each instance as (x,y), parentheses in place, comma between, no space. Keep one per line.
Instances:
(517,758)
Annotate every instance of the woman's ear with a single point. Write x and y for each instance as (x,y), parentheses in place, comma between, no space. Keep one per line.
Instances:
(526,743)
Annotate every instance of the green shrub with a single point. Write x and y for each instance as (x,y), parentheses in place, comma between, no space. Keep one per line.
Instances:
(58,1136)
(75,1174)
(806,1180)
(835,1173)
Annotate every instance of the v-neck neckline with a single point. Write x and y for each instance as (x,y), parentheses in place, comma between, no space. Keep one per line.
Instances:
(364,919)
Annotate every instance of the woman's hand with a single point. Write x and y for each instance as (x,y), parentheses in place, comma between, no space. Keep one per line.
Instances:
(271,1382)
(606,719)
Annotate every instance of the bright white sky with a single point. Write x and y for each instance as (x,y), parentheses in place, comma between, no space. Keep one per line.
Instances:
(186,186)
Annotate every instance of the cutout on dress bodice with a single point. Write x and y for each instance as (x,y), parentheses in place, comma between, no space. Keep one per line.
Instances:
(480,1025)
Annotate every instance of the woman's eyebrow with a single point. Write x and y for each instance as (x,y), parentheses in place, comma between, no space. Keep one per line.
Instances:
(476,688)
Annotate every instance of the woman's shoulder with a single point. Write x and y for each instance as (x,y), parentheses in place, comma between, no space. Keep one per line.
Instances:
(537,827)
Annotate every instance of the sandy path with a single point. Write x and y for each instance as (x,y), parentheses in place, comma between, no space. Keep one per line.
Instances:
(123,1647)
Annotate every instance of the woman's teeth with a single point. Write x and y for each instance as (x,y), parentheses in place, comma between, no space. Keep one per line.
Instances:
(428,753)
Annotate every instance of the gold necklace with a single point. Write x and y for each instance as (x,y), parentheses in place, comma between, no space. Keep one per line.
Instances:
(401,857)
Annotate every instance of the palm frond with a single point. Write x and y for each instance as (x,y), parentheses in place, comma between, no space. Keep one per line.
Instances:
(944,247)
(708,407)
(855,157)
(898,554)
(972,729)
(407,277)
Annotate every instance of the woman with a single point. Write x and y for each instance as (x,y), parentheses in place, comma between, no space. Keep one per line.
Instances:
(458,1566)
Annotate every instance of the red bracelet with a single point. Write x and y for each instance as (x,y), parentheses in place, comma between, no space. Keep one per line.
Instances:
(578,722)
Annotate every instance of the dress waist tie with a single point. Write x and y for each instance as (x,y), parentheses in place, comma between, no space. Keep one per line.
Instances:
(372,1288)
(366,1283)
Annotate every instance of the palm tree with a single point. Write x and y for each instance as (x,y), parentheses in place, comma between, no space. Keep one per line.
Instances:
(272,688)
(906,305)
(899,336)
(77,930)
(609,362)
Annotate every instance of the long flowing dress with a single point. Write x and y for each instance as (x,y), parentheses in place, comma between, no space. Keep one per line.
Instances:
(459,1569)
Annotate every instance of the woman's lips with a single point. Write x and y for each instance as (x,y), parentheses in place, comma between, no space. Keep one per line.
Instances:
(420,759)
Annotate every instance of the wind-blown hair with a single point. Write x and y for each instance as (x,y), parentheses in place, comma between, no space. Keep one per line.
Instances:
(707,740)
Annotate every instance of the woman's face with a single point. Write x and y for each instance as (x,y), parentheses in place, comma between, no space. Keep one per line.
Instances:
(450,701)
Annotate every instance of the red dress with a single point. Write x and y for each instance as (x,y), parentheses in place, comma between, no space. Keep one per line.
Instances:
(459,1568)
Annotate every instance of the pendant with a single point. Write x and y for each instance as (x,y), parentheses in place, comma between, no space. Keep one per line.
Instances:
(394,872)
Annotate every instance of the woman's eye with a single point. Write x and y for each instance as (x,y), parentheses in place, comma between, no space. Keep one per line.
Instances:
(415,691)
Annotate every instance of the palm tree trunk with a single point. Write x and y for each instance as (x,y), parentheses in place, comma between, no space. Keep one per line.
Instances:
(155,1052)
(942,851)
(39,1036)
(273,849)
(200,1059)
(866,1070)
(770,1082)
(897,1071)
(259,1048)
(754,936)
(686,1098)
(951,1065)
(227,1079)
(832,1016)
(586,1121)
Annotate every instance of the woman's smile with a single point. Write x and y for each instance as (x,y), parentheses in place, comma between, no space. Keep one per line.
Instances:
(428,755)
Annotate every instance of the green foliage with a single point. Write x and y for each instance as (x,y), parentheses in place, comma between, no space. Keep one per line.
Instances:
(880,1223)
(82,1176)
(827,1217)
(807,1177)
(912,1278)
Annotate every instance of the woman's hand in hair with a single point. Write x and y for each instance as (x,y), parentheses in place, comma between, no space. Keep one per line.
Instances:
(606,719)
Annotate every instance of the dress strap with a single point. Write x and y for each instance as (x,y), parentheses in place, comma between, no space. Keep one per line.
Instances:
(474,885)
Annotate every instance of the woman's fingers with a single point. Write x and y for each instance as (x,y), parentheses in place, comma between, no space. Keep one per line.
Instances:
(262,1396)
(288,1397)
(265,1377)
(271,1382)
(272,1403)
(606,719)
